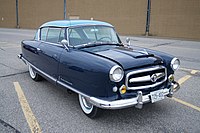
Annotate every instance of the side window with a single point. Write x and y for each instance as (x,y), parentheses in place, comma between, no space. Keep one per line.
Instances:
(73,34)
(36,35)
(62,35)
(44,34)
(74,37)
(53,35)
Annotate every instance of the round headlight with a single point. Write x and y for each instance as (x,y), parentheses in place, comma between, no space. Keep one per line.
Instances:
(175,63)
(116,74)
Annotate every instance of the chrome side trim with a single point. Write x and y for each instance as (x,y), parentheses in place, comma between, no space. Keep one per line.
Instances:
(146,78)
(63,80)
(51,43)
(73,89)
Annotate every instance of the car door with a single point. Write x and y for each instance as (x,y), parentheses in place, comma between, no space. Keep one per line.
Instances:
(49,52)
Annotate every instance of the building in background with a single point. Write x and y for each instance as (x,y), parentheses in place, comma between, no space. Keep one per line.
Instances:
(167,18)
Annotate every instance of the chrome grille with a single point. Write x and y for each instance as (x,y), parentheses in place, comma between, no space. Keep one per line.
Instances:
(146,77)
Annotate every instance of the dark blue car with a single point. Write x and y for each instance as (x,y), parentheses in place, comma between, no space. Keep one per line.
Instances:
(88,58)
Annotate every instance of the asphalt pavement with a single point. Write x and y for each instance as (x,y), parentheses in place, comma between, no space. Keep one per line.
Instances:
(57,111)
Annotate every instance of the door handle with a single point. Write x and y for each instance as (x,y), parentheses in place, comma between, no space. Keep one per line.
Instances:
(55,56)
(38,49)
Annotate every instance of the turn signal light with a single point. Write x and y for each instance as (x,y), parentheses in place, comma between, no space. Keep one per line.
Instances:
(122,89)
(171,78)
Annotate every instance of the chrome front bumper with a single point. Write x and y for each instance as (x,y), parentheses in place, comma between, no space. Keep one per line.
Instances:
(136,101)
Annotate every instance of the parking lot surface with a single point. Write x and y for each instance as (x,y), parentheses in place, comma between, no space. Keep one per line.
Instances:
(29,106)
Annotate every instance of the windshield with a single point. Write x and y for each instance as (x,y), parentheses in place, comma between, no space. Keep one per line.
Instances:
(92,34)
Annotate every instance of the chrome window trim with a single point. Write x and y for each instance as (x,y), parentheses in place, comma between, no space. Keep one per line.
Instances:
(145,70)
(41,33)
(68,37)
(51,43)
(85,25)
(38,35)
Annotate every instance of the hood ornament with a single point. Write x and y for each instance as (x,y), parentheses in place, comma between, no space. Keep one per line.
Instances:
(144,51)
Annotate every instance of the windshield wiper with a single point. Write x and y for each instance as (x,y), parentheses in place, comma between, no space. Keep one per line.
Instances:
(97,43)
(90,44)
(115,43)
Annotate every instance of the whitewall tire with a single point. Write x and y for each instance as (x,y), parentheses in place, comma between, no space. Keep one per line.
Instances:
(88,109)
(33,74)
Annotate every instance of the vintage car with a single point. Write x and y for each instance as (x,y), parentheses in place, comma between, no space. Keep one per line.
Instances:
(88,58)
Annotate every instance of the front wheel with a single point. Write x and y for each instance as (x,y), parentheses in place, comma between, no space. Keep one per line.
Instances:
(33,74)
(88,109)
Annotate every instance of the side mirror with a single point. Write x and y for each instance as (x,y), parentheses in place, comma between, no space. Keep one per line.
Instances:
(64,42)
(128,41)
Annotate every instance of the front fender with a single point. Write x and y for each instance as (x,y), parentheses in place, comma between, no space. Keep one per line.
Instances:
(86,72)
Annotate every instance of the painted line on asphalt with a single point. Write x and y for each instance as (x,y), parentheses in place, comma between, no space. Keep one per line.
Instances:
(5,47)
(30,118)
(186,103)
(185,78)
(181,81)
(192,71)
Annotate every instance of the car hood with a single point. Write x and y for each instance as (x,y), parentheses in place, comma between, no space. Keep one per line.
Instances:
(129,57)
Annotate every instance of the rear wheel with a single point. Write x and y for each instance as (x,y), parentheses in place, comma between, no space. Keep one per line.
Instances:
(88,109)
(35,76)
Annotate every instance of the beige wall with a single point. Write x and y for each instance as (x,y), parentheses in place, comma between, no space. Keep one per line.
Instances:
(7,13)
(175,18)
(32,13)
(169,18)
(128,16)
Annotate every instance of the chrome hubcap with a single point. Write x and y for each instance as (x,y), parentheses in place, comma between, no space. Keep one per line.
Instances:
(32,72)
(86,106)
